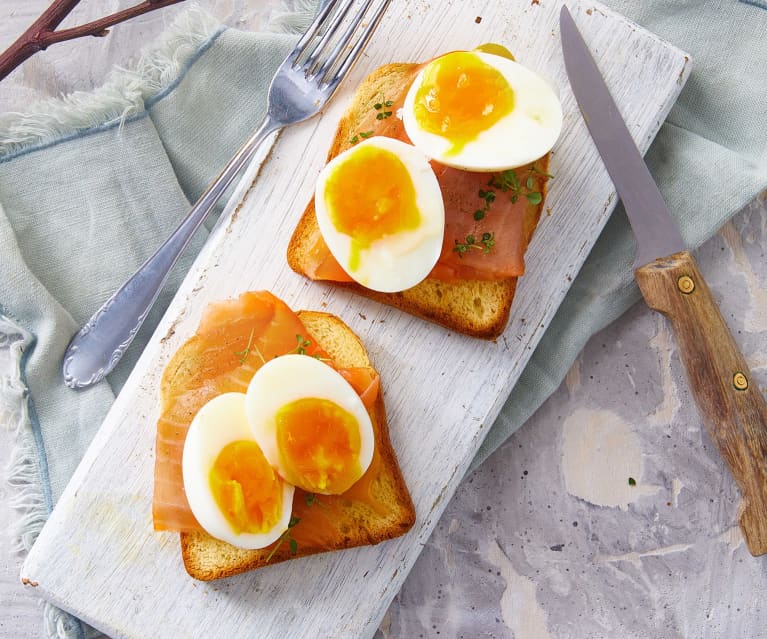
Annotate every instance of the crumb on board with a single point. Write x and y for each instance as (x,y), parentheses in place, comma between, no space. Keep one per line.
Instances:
(478,19)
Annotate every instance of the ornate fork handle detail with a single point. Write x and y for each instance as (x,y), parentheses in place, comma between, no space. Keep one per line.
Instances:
(71,356)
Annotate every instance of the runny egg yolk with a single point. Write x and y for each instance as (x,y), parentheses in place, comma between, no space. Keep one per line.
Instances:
(370,196)
(319,444)
(246,488)
(461,96)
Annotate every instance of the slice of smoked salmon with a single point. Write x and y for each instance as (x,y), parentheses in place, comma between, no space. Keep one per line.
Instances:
(503,221)
(365,381)
(234,339)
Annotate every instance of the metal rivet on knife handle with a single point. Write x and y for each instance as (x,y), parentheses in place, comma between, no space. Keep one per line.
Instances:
(686,284)
(740,381)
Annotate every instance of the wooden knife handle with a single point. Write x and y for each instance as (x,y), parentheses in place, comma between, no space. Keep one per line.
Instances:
(728,397)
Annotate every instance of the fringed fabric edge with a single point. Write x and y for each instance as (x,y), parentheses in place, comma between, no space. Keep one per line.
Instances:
(127,89)
(22,478)
(120,97)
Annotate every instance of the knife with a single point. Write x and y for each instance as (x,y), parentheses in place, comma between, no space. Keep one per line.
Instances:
(728,398)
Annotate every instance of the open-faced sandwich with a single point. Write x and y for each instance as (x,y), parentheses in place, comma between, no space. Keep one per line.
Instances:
(435,182)
(272,441)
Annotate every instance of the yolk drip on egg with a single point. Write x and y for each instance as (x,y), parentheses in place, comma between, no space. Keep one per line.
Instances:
(461,96)
(246,488)
(319,443)
(370,196)
(495,49)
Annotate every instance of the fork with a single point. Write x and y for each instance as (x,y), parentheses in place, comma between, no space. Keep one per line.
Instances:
(302,86)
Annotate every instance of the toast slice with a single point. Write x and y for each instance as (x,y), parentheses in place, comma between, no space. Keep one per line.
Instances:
(385,511)
(479,308)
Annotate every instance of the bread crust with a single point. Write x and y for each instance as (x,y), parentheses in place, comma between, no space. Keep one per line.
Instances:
(206,558)
(479,308)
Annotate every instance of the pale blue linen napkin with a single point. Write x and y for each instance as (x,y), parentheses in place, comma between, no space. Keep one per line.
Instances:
(88,187)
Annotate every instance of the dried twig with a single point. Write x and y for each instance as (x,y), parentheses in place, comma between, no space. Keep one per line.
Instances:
(43,32)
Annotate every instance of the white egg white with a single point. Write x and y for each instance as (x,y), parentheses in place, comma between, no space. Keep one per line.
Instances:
(521,137)
(288,378)
(219,422)
(400,260)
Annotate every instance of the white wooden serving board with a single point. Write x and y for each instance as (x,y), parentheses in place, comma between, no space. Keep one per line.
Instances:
(98,556)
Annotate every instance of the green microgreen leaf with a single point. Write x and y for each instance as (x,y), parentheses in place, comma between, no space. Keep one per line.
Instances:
(534,197)
(382,115)
(243,354)
(508,182)
(487,241)
(302,345)
(488,197)
(285,536)
(535,169)
(311,500)
(364,135)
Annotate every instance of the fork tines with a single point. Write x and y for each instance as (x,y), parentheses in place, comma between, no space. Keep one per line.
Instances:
(328,48)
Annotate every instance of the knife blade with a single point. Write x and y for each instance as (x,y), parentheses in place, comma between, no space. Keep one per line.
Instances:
(728,398)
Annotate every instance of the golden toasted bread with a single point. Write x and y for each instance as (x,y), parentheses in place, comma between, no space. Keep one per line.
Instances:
(377,508)
(479,308)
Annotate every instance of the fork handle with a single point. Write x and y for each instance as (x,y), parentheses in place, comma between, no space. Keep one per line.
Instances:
(100,343)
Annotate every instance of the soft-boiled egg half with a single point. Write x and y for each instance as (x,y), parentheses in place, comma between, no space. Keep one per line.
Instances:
(380,211)
(310,423)
(478,111)
(234,492)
